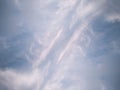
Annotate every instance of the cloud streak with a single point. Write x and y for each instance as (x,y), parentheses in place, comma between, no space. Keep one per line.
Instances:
(47,50)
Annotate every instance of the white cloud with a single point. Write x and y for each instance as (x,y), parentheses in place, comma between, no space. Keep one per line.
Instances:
(113,18)
(15,80)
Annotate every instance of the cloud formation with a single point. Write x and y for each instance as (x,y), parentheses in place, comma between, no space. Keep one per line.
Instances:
(59,45)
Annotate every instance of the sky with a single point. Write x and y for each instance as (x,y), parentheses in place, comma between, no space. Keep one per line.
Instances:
(59,45)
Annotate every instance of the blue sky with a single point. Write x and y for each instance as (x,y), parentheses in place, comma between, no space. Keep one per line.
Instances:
(59,45)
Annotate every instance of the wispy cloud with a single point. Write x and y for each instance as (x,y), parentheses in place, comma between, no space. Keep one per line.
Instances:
(59,45)
(47,50)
